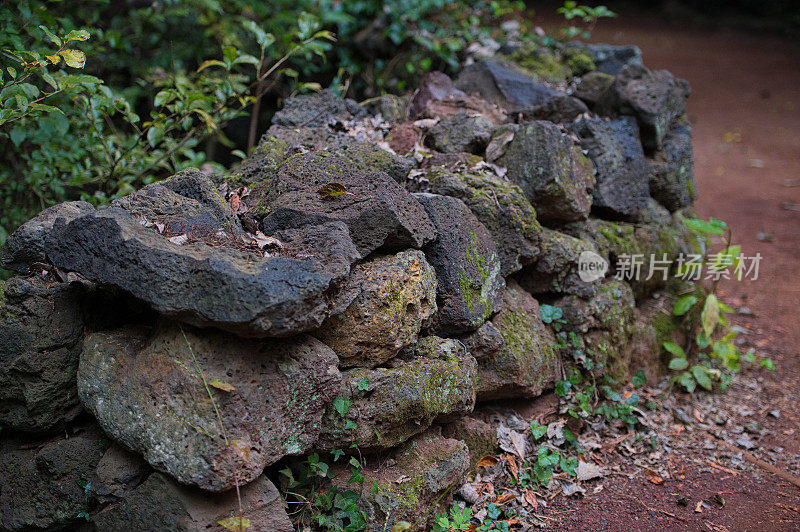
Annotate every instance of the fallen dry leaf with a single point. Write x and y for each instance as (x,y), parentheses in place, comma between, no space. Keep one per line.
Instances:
(221,385)
(487,461)
(179,240)
(588,471)
(530,498)
(654,478)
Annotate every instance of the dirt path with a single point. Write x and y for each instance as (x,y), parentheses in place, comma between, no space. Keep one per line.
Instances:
(745,112)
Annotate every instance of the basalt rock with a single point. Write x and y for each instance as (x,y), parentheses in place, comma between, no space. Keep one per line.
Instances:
(672,170)
(524,363)
(27,245)
(147,390)
(556,270)
(380,214)
(655,98)
(118,473)
(45,488)
(386,406)
(316,109)
(552,172)
(434,86)
(41,330)
(501,207)
(610,59)
(506,88)
(396,294)
(413,482)
(461,133)
(593,87)
(466,263)
(621,187)
(199,283)
(604,323)
(163,504)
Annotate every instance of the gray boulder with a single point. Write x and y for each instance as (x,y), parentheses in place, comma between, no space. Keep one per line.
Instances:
(118,473)
(27,244)
(461,133)
(379,213)
(500,206)
(655,98)
(387,406)
(318,109)
(556,270)
(510,90)
(396,294)
(41,330)
(552,172)
(160,503)
(198,283)
(672,170)
(610,59)
(147,390)
(412,483)
(621,187)
(467,266)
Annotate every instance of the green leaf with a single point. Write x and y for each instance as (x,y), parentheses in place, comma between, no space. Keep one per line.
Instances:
(767,363)
(639,379)
(678,364)
(687,381)
(73,58)
(337,453)
(675,349)
(710,315)
(683,305)
(308,24)
(701,226)
(342,405)
(363,384)
(549,313)
(50,80)
(51,35)
(77,35)
(211,62)
(263,38)
(537,431)
(354,462)
(701,376)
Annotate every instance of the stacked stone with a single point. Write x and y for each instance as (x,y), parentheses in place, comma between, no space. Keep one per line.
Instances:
(344,260)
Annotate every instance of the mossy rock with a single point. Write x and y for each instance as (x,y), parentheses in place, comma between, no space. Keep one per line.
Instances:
(501,207)
(390,405)
(550,65)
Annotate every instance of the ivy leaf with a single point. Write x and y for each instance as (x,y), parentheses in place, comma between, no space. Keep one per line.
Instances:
(639,379)
(363,384)
(337,453)
(73,58)
(537,431)
(235,523)
(342,405)
(683,305)
(549,313)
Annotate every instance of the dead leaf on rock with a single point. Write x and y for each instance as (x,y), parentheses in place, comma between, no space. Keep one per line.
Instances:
(654,478)
(263,240)
(235,523)
(497,146)
(221,385)
(241,449)
(332,190)
(179,240)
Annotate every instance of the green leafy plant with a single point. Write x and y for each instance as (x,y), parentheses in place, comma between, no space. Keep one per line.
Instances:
(457,520)
(318,501)
(710,357)
(588,15)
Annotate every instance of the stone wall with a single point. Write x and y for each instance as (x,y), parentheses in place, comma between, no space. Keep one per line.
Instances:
(390,257)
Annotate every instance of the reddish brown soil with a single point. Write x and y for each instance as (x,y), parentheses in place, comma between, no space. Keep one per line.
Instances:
(745,112)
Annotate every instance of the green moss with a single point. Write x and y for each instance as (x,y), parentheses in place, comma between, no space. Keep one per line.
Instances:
(578,61)
(2,293)
(540,62)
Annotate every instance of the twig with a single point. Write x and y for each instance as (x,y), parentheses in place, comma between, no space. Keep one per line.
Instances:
(725,469)
(786,506)
(788,477)
(221,426)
